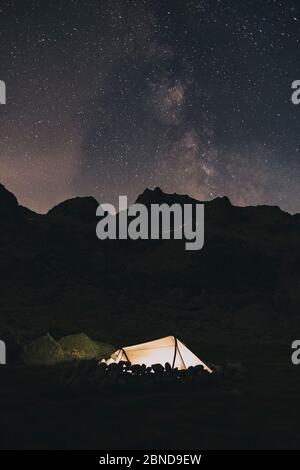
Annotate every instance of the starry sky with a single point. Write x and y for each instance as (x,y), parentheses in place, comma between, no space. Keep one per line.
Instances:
(106,98)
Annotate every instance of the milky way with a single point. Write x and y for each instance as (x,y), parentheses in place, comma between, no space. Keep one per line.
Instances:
(106,98)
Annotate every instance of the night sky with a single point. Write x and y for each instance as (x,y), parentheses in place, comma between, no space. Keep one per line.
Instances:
(106,98)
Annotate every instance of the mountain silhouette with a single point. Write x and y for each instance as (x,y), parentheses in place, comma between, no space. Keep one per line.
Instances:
(9,206)
(57,276)
(79,209)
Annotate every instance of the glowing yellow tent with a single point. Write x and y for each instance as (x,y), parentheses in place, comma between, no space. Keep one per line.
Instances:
(160,351)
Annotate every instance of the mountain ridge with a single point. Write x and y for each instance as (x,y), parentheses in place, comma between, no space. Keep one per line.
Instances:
(156,195)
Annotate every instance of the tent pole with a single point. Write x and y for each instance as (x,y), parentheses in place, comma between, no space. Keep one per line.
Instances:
(123,350)
(175,352)
(181,358)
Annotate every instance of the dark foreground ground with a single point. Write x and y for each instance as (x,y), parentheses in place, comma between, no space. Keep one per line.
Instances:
(261,410)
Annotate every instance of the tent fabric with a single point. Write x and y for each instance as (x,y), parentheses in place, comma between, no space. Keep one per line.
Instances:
(160,351)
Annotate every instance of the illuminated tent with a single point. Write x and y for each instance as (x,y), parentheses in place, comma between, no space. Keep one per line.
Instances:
(160,351)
